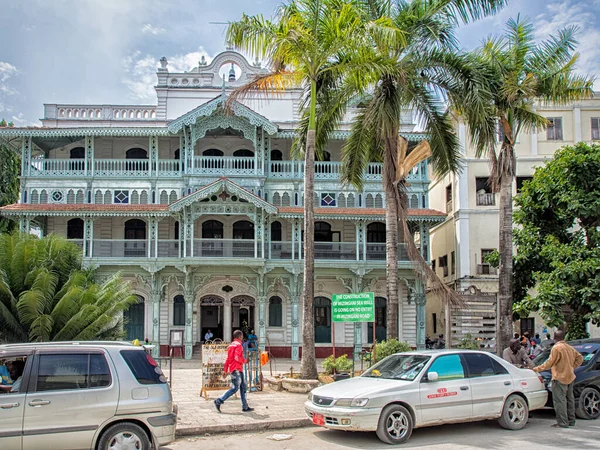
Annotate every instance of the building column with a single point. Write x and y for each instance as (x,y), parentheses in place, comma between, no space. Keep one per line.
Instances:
(227,320)
(420,302)
(155,299)
(189,313)
(89,156)
(26,156)
(295,290)
(153,160)
(293,239)
(360,240)
(152,236)
(262,321)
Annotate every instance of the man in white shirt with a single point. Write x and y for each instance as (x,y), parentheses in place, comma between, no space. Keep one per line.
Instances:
(208,336)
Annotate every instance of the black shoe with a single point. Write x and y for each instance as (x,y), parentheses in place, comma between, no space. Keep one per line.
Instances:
(248,409)
(217,406)
(572,424)
(557,425)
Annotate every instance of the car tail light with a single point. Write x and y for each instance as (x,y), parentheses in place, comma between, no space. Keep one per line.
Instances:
(541,379)
(151,360)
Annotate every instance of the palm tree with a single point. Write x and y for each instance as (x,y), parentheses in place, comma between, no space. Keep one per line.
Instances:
(426,64)
(519,72)
(45,296)
(306,43)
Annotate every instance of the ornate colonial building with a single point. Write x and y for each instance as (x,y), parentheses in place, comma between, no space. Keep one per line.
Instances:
(202,211)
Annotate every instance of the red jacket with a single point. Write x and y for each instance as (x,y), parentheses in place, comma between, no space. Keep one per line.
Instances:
(235,357)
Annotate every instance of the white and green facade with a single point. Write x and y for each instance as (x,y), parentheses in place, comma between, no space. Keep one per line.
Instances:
(201,210)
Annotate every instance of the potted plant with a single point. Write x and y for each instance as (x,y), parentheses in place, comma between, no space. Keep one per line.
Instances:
(339,367)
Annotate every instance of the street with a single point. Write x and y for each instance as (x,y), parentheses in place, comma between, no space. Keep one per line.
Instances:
(537,435)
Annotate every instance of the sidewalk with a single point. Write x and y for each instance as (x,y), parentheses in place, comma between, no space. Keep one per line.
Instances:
(197,416)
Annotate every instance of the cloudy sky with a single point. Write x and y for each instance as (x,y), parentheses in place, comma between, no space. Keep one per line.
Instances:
(107,51)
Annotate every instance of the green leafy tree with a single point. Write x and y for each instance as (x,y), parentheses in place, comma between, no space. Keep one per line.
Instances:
(46,296)
(10,168)
(558,241)
(417,39)
(519,71)
(306,43)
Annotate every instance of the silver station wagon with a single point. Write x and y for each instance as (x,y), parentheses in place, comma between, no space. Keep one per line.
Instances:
(418,389)
(80,395)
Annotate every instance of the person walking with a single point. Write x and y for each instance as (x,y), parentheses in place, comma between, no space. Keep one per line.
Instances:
(234,365)
(563,360)
(516,355)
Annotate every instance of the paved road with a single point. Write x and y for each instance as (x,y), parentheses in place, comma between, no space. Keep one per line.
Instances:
(537,435)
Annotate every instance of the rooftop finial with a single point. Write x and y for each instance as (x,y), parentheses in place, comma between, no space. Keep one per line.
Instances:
(202,61)
(163,62)
(232,73)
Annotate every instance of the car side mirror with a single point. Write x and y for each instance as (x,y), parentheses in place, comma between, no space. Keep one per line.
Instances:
(432,376)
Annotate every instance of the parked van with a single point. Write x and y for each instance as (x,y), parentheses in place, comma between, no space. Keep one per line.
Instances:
(79,395)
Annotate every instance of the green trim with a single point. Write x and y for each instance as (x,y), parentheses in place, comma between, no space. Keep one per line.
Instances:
(81,132)
(340,135)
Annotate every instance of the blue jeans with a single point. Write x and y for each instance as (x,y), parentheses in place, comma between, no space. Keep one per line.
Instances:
(237,383)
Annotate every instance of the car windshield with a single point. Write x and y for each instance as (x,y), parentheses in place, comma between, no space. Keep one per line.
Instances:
(398,367)
(587,354)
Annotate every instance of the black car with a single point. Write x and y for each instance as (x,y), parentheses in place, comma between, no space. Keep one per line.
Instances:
(587,381)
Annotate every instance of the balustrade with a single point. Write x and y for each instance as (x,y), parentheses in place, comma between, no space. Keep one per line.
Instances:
(169,167)
(119,248)
(57,167)
(223,165)
(121,167)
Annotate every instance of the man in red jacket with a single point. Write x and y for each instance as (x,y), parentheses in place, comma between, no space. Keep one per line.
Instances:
(234,365)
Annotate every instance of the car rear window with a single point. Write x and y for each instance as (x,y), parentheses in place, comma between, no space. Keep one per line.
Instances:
(69,371)
(143,367)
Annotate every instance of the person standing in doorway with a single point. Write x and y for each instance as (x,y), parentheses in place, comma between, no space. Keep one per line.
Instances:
(563,360)
(234,365)
(208,336)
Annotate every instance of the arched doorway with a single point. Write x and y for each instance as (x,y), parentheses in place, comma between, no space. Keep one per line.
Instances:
(135,232)
(133,319)
(211,316)
(322,308)
(212,158)
(75,229)
(276,155)
(77,154)
(376,241)
(246,160)
(212,235)
(139,157)
(243,235)
(380,321)
(243,314)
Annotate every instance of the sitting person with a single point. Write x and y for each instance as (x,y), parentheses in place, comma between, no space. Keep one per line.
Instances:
(15,369)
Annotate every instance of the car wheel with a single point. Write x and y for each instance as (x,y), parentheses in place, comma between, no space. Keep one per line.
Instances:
(395,425)
(588,406)
(125,435)
(515,413)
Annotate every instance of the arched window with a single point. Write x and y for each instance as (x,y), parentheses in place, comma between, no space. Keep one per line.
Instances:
(276,155)
(275,312)
(276,231)
(178,310)
(136,153)
(177,154)
(380,321)
(135,231)
(243,229)
(376,232)
(243,153)
(75,229)
(323,232)
(212,152)
(322,308)
(212,229)
(77,153)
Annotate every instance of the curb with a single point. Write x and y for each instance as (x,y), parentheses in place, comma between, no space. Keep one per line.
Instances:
(257,426)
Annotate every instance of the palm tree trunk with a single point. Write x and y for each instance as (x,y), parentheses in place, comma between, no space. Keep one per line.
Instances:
(505,276)
(309,364)
(391,236)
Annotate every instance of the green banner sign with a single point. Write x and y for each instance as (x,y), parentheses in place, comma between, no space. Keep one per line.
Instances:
(353,307)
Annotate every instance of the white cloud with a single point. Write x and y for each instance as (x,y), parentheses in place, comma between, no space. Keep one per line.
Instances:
(7,70)
(141,71)
(150,29)
(19,119)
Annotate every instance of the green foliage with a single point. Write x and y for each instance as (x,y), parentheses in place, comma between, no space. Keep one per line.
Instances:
(493,258)
(46,296)
(558,240)
(340,364)
(386,348)
(469,343)
(10,167)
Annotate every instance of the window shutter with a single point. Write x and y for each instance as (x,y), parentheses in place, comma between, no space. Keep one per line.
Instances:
(558,129)
(595,128)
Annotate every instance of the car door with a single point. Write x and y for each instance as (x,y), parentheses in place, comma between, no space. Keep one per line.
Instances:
(449,397)
(11,411)
(73,393)
(489,381)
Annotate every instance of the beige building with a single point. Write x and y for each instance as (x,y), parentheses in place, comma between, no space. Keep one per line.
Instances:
(459,244)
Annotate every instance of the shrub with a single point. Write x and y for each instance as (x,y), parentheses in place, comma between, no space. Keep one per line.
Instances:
(389,347)
(469,343)
(340,364)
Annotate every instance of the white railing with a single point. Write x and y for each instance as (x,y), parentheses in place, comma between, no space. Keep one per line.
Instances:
(99,112)
(487,199)
(284,169)
(121,167)
(335,250)
(377,252)
(119,248)
(327,170)
(169,248)
(224,248)
(169,167)
(223,165)
(281,250)
(374,172)
(57,167)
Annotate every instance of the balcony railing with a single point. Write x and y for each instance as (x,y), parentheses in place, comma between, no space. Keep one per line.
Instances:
(121,168)
(486,199)
(239,248)
(223,165)
(169,167)
(57,167)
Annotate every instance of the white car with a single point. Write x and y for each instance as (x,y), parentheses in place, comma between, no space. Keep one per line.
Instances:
(423,388)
